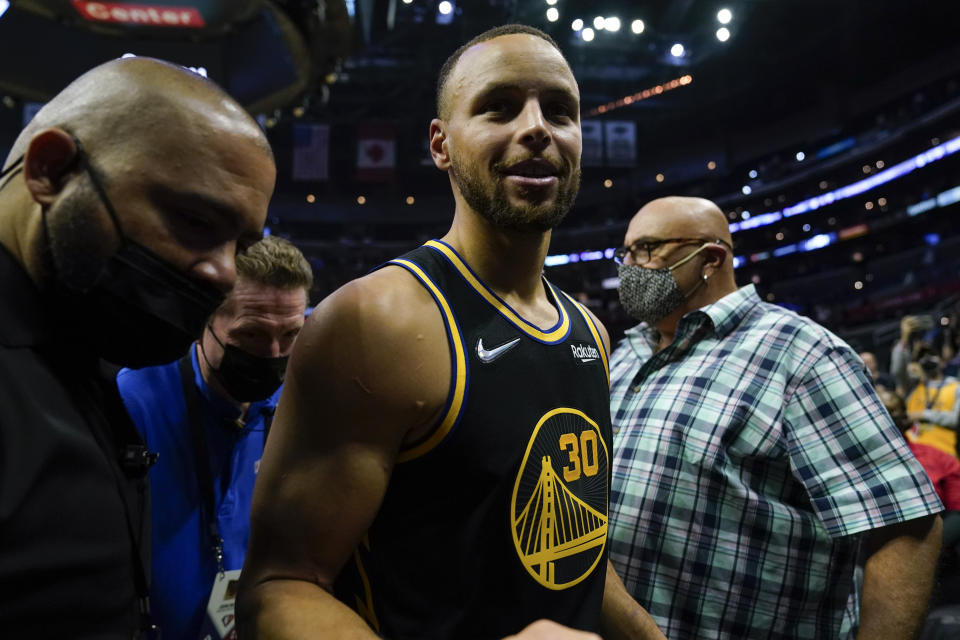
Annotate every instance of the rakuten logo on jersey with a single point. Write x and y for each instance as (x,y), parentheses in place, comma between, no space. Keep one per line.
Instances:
(585,352)
(139,14)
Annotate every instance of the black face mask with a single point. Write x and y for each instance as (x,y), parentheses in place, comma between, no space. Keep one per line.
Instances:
(246,377)
(140,310)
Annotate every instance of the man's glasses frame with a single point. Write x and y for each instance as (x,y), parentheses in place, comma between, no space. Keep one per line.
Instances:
(637,249)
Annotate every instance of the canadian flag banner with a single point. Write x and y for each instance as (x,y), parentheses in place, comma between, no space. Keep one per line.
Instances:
(376,153)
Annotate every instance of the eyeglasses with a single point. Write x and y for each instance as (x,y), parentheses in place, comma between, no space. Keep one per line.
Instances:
(642,252)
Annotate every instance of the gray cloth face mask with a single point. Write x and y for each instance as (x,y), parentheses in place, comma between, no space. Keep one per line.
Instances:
(650,295)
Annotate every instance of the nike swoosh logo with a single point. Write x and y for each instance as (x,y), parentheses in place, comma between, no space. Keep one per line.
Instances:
(490,355)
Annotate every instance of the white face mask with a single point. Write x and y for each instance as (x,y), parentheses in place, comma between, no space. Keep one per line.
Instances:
(649,295)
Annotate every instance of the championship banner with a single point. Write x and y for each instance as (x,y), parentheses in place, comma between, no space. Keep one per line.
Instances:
(621,138)
(311,143)
(592,131)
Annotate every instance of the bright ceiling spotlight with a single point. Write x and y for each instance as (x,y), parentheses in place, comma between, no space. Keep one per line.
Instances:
(723,34)
(746,190)
(551,2)
(724,16)
(637,26)
(577,24)
(587,34)
(598,23)
(611,24)
(800,156)
(445,7)
(552,14)
(753,173)
(677,50)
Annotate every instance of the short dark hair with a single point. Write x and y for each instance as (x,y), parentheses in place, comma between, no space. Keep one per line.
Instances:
(490,34)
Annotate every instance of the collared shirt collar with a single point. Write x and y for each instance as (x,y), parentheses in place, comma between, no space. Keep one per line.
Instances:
(724,314)
(24,321)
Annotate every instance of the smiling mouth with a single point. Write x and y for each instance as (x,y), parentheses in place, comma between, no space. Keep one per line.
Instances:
(532,173)
(532,168)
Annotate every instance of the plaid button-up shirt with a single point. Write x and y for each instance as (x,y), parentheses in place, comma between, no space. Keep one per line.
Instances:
(747,454)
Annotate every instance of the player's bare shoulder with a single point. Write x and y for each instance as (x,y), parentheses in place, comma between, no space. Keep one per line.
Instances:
(382,337)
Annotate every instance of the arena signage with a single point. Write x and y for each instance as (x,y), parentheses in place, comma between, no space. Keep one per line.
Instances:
(139,14)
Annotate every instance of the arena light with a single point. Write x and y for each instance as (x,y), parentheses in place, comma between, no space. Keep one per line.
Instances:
(746,190)
(4,5)
(551,2)
(723,34)
(724,16)
(651,92)
(801,156)
(445,7)
(598,23)
(611,24)
(552,14)
(753,173)
(587,34)
(637,26)
(677,50)
(577,24)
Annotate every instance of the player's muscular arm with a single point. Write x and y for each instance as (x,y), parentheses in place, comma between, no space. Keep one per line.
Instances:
(370,367)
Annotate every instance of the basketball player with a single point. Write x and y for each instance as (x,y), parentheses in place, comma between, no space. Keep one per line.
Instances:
(440,456)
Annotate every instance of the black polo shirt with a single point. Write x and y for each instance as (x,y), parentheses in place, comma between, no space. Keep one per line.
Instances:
(66,554)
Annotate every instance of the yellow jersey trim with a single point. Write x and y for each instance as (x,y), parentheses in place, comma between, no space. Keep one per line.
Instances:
(459,373)
(554,335)
(594,332)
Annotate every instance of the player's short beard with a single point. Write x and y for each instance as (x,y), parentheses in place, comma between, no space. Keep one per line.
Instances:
(492,203)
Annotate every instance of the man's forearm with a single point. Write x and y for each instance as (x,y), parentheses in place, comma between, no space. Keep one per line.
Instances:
(897,578)
(621,617)
(296,610)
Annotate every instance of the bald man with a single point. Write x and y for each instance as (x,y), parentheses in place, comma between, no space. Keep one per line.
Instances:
(122,206)
(754,464)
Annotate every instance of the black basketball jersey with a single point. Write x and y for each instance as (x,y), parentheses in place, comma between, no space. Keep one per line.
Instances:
(498,516)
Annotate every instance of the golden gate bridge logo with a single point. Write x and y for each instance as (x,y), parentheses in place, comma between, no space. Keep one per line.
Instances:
(559,504)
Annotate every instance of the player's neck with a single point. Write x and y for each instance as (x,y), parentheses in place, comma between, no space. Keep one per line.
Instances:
(509,262)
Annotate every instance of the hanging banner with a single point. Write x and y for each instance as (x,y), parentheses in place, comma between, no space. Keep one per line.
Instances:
(621,138)
(311,144)
(376,153)
(592,143)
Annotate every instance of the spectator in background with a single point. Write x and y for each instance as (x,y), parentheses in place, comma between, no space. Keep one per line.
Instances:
(943,469)
(933,404)
(122,205)
(208,416)
(754,464)
(913,331)
(881,379)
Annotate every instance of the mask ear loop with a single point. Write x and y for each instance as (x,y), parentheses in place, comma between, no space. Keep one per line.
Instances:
(203,351)
(685,260)
(11,171)
(98,187)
